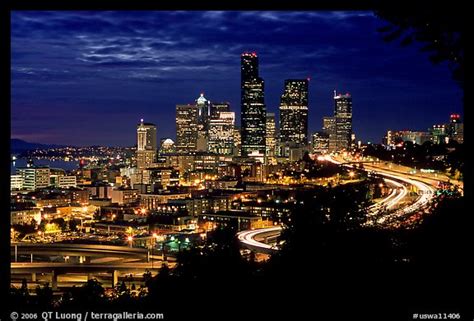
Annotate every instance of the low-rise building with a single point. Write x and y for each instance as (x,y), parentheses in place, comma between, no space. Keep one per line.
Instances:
(124,196)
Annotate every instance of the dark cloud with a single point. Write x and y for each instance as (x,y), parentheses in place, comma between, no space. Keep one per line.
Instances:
(100,71)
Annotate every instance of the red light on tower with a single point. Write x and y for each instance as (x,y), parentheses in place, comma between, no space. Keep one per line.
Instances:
(308,79)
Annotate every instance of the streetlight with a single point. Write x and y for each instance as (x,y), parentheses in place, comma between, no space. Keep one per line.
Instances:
(351,174)
(130,240)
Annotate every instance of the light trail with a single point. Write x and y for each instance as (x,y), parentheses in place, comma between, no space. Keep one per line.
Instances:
(426,191)
(396,196)
(248,237)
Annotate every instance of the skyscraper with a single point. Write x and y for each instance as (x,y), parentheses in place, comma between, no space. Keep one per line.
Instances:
(320,142)
(204,112)
(343,115)
(253,110)
(216,108)
(237,141)
(329,128)
(294,112)
(186,128)
(146,136)
(146,144)
(270,139)
(221,133)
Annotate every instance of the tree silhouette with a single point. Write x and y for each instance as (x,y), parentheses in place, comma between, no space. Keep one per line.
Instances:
(437,27)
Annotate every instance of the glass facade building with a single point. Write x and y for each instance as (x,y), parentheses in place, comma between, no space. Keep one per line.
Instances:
(294,112)
(253,109)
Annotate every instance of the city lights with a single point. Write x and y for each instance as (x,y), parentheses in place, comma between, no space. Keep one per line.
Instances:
(246,170)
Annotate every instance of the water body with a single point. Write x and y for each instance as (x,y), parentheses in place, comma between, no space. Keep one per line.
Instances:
(53,164)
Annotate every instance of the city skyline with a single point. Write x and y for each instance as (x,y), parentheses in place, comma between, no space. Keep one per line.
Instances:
(107,70)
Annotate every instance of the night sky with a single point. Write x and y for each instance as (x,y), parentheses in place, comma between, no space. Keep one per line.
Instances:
(86,78)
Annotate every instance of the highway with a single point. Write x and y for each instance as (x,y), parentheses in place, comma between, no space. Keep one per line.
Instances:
(399,217)
(387,213)
(89,250)
(251,239)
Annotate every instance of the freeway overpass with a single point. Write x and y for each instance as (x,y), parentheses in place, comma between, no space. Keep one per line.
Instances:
(86,251)
(143,261)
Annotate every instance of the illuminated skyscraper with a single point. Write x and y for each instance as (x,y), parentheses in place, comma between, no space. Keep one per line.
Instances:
(271,139)
(146,136)
(216,108)
(329,128)
(186,128)
(343,115)
(253,110)
(146,144)
(294,112)
(237,142)
(204,112)
(221,133)
(320,142)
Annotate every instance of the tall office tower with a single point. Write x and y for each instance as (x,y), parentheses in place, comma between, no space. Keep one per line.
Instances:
(203,107)
(146,144)
(329,128)
(186,128)
(294,112)
(216,108)
(270,141)
(253,110)
(343,115)
(221,133)
(204,112)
